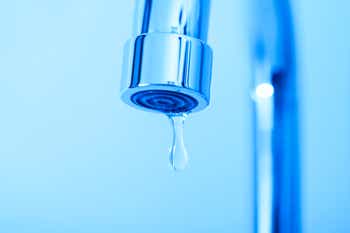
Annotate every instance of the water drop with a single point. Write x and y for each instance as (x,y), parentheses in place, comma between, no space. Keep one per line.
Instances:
(178,155)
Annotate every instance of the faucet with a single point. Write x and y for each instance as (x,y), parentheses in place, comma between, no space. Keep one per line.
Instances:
(167,69)
(167,62)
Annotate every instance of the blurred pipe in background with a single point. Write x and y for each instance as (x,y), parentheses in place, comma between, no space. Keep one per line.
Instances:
(276,137)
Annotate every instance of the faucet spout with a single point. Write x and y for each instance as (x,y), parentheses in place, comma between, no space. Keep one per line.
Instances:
(167,62)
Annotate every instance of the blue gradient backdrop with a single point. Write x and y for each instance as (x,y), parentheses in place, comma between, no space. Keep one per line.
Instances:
(74,158)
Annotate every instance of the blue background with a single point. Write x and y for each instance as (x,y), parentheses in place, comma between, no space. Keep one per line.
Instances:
(74,158)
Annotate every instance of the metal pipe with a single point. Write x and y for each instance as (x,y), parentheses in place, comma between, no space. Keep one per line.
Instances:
(277,172)
(167,62)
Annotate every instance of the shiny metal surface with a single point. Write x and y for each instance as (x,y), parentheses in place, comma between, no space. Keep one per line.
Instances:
(164,61)
(277,171)
(168,52)
(184,17)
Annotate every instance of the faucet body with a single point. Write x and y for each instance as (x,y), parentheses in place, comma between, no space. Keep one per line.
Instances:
(167,62)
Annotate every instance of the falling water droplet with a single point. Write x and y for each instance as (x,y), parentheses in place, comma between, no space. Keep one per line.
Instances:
(178,154)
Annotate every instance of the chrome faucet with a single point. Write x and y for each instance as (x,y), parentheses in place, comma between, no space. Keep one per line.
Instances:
(167,62)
